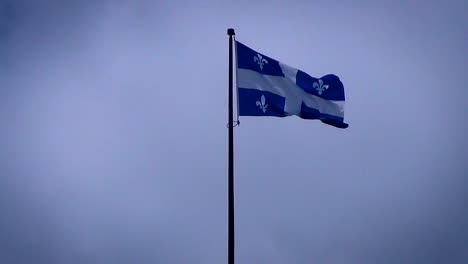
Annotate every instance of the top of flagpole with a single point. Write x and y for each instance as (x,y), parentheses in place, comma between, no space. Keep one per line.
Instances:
(230,32)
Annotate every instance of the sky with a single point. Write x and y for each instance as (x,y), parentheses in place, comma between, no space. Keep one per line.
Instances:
(113,139)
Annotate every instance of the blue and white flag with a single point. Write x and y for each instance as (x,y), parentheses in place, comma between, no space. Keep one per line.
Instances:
(267,87)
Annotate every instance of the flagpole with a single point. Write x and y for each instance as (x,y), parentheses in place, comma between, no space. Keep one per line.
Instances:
(230,33)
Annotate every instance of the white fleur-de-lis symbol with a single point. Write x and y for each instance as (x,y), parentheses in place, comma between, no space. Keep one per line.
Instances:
(260,61)
(320,87)
(261,104)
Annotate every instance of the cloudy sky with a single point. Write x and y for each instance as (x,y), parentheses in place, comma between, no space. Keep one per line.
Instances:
(113,139)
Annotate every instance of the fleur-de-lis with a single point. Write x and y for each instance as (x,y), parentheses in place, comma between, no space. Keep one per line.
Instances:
(320,87)
(261,104)
(260,61)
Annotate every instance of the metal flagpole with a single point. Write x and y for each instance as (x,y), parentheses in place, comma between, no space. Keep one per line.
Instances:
(230,33)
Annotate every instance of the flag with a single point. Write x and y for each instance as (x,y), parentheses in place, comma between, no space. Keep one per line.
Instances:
(267,87)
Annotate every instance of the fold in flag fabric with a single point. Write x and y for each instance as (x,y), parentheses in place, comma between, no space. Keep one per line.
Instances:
(267,87)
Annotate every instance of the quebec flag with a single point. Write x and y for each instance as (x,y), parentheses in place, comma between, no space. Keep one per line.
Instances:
(267,87)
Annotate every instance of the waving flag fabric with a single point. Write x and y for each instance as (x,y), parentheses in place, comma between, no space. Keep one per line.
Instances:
(267,87)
